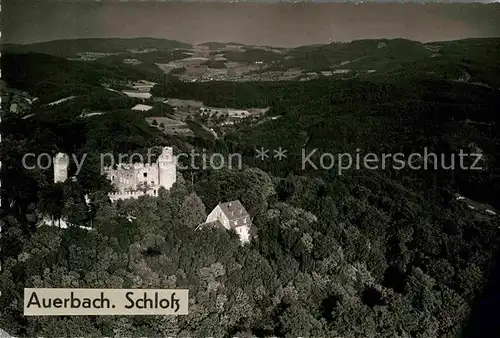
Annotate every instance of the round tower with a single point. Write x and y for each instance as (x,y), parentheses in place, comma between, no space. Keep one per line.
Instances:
(61,163)
(167,168)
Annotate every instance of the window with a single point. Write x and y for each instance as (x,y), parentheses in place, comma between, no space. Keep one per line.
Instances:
(245,220)
(145,174)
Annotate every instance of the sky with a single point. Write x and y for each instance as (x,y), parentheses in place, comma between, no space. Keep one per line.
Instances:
(271,24)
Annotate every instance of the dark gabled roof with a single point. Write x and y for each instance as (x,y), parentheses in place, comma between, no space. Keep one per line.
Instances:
(235,212)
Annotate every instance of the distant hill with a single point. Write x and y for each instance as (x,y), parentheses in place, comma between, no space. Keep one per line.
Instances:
(52,78)
(139,55)
(460,60)
(72,47)
(218,45)
(149,57)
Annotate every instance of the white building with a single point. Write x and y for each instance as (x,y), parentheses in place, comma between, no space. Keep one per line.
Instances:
(142,107)
(232,215)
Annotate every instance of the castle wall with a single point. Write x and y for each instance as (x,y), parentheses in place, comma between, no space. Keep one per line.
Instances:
(60,163)
(167,168)
(60,174)
(132,194)
(132,177)
(148,175)
(167,174)
(217,214)
(129,179)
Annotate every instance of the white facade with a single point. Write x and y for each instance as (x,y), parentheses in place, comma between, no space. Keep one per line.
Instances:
(61,163)
(218,215)
(244,233)
(131,181)
(142,107)
(167,167)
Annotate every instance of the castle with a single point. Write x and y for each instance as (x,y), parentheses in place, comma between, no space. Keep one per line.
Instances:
(131,180)
(61,163)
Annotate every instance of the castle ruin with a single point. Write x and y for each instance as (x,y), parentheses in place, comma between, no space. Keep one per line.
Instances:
(131,180)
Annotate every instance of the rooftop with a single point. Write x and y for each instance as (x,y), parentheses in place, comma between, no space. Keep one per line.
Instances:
(142,107)
(235,212)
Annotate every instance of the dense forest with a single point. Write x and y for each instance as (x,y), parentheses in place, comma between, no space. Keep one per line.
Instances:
(369,253)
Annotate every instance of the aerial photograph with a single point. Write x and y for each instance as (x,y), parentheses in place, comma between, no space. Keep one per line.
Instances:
(284,169)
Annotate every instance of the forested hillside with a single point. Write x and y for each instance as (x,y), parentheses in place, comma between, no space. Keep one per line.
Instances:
(52,78)
(71,48)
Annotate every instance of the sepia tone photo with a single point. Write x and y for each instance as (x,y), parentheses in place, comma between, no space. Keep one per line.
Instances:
(250,169)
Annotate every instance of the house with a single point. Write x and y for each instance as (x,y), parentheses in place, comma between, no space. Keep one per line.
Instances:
(232,215)
(142,107)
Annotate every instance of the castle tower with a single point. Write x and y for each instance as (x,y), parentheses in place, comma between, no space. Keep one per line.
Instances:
(61,163)
(167,168)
